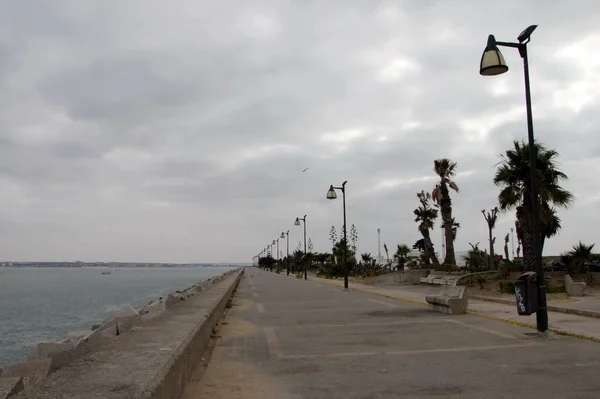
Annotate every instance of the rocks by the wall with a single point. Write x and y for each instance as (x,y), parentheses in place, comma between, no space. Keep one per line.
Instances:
(126,311)
(171,301)
(46,349)
(31,371)
(75,337)
(10,387)
(126,323)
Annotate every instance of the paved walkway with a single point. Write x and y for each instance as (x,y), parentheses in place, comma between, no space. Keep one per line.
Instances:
(290,338)
(559,322)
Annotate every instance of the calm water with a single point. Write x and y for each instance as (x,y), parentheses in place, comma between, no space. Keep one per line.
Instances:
(40,304)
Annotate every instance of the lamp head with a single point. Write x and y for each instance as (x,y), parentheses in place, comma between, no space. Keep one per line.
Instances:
(492,61)
(331,193)
(282,235)
(526,34)
(297,222)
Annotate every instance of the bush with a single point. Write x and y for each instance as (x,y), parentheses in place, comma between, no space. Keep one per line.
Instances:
(554,289)
(506,287)
(481,281)
(590,279)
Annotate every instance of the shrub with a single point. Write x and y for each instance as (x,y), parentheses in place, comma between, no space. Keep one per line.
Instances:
(481,281)
(506,287)
(554,289)
(590,279)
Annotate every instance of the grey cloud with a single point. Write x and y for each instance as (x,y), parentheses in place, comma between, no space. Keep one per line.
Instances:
(129,122)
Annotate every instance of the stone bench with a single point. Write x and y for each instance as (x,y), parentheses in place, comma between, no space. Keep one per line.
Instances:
(452,300)
(572,288)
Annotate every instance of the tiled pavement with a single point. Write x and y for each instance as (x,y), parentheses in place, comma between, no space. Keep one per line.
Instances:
(290,338)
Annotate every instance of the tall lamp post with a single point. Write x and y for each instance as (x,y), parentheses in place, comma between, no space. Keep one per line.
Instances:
(297,223)
(492,63)
(277,248)
(332,195)
(287,250)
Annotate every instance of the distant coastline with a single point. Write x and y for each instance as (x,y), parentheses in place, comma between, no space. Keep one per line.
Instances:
(118,264)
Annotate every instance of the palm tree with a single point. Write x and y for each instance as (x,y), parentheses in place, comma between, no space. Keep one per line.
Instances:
(549,222)
(513,177)
(576,258)
(445,169)
(402,252)
(425,215)
(490,218)
(455,227)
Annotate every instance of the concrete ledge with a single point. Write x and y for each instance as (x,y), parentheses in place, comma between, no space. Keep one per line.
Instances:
(153,360)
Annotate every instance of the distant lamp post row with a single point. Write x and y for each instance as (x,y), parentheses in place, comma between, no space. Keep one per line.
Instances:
(297,223)
(286,234)
(493,63)
(332,195)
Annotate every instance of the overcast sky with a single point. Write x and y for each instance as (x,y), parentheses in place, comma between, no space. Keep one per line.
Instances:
(177,131)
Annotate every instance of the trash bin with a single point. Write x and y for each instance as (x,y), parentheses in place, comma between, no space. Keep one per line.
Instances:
(526,294)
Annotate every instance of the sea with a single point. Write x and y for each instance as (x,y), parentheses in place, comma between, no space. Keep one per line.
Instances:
(44,303)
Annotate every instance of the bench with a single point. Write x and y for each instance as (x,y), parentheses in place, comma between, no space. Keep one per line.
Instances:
(452,300)
(572,288)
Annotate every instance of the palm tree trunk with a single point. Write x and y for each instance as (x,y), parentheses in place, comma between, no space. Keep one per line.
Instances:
(446,210)
(429,248)
(491,249)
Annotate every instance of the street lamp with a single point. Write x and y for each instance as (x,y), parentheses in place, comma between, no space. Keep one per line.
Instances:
(492,63)
(332,195)
(287,250)
(297,223)
(277,248)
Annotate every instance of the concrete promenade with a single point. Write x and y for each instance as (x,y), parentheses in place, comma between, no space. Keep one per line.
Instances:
(562,323)
(290,338)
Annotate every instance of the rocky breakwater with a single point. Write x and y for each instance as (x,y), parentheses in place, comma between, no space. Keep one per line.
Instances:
(48,357)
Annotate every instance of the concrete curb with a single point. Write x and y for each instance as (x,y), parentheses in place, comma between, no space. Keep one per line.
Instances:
(171,380)
(486,316)
(556,309)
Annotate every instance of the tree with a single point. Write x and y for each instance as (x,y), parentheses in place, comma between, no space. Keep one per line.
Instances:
(332,236)
(387,254)
(491,217)
(353,237)
(577,257)
(401,254)
(455,227)
(445,169)
(476,259)
(513,177)
(310,245)
(425,215)
(506,240)
(549,223)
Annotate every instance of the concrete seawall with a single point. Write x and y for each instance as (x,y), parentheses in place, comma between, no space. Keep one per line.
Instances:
(152,359)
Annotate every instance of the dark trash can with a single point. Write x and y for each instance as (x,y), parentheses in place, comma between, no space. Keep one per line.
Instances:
(526,294)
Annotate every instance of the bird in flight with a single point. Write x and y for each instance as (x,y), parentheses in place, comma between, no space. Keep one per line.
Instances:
(305,170)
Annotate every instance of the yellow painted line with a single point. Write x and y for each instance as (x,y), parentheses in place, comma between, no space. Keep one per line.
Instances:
(483,329)
(413,352)
(273,343)
(382,303)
